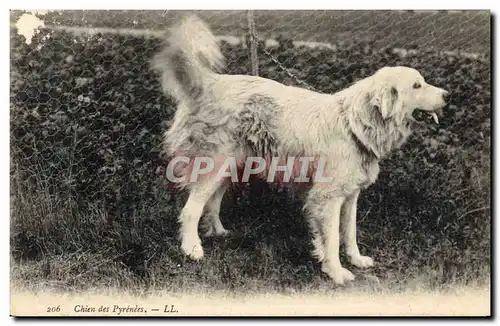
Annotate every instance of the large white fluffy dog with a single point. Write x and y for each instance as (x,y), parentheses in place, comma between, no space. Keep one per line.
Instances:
(223,115)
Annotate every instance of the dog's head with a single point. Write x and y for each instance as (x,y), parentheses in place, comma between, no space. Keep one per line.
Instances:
(398,91)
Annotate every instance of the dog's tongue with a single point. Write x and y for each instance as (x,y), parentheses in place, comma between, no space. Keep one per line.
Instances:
(434,117)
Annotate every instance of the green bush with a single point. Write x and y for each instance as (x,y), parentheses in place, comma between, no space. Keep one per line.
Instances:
(87,118)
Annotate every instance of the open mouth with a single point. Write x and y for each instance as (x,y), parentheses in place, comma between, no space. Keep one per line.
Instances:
(422,115)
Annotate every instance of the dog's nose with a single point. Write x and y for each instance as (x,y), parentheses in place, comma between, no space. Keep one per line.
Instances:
(446,96)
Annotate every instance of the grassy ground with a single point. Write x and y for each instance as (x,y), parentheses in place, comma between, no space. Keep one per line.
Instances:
(88,208)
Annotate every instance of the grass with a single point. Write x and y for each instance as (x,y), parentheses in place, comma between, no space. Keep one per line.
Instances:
(88,210)
(58,244)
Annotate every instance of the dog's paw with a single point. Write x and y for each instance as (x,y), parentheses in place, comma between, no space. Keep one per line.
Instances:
(361,261)
(222,233)
(192,249)
(338,274)
(212,232)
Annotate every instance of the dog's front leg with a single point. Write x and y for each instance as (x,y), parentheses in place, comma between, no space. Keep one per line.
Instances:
(348,225)
(326,213)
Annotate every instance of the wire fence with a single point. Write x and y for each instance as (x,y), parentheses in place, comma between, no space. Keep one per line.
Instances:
(87,114)
(444,30)
(87,118)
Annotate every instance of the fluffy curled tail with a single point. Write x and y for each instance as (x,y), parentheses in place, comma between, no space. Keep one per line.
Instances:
(191,55)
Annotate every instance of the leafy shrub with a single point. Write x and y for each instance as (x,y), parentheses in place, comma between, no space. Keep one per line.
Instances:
(87,118)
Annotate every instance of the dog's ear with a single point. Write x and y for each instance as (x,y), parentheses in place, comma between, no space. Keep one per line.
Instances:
(385,99)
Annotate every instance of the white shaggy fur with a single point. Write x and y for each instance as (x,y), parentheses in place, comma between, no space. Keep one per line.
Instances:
(223,115)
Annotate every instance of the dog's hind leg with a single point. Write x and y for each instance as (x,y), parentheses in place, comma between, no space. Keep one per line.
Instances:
(212,220)
(348,225)
(191,213)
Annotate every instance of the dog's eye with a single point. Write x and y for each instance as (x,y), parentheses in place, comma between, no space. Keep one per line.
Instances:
(417,85)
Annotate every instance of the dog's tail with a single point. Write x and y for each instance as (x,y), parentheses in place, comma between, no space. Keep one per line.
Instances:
(190,56)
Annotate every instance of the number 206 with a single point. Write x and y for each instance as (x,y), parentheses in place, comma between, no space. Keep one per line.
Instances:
(54,309)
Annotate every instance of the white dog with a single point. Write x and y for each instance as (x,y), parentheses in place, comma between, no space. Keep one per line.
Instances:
(223,115)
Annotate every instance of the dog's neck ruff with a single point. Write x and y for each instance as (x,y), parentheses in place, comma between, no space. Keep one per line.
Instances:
(376,141)
(364,148)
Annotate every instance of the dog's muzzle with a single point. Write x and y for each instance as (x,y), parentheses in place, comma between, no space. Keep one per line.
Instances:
(419,114)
